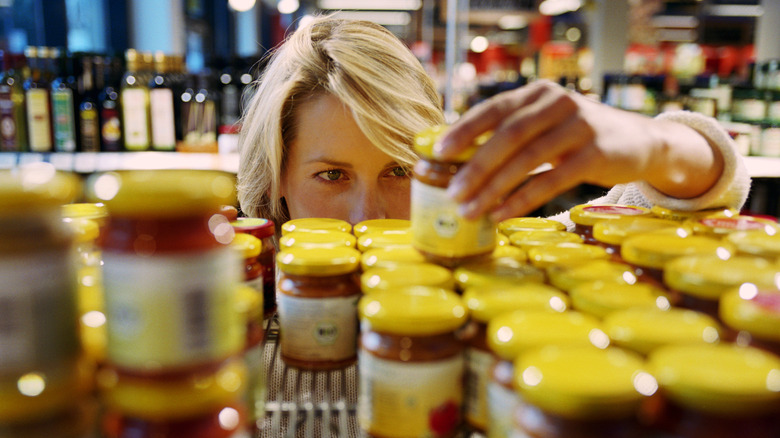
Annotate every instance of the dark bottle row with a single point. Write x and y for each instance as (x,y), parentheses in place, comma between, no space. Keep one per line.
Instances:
(63,102)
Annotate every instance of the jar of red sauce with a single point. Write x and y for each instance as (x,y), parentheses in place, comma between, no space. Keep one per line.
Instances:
(264,230)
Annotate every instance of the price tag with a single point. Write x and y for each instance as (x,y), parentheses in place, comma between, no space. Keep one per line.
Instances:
(85,162)
(62,161)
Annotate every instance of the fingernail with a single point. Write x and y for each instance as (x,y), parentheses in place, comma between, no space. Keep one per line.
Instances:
(467,210)
(454,190)
(440,146)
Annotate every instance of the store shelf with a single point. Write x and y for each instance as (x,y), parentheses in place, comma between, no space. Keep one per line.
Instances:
(763,167)
(90,162)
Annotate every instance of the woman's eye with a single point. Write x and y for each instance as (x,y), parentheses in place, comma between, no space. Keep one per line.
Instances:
(399,171)
(330,175)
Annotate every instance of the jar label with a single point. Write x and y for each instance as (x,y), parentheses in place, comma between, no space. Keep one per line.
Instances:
(409,398)
(478,365)
(768,301)
(173,310)
(737,224)
(502,403)
(438,229)
(38,316)
(613,209)
(318,329)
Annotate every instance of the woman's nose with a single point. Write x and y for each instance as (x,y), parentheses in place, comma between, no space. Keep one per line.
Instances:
(367,204)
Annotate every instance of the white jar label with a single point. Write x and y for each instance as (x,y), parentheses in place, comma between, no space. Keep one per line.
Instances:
(502,403)
(409,399)
(478,365)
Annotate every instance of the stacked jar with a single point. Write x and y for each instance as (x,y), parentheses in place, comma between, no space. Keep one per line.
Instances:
(585,216)
(44,377)
(264,230)
(175,332)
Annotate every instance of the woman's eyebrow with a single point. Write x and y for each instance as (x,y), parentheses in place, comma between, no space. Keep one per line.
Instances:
(325,160)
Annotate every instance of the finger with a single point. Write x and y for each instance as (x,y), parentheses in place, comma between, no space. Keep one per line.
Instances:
(545,186)
(549,114)
(485,117)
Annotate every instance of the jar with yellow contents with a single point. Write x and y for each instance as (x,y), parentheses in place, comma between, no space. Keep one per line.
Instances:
(381,226)
(755,311)
(94,211)
(411,363)
(318,295)
(585,216)
(264,230)
(166,235)
(701,280)
(418,274)
(512,334)
(583,392)
(485,303)
(438,230)
(716,391)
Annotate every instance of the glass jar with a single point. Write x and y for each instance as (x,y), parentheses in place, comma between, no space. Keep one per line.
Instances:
(165,235)
(381,226)
(250,307)
(320,239)
(496,271)
(318,294)
(716,391)
(720,227)
(85,235)
(96,212)
(509,251)
(565,254)
(390,257)
(644,330)
(515,224)
(535,238)
(611,234)
(567,278)
(756,243)
(411,363)
(582,392)
(264,230)
(701,280)
(585,216)
(316,224)
(387,239)
(683,216)
(756,311)
(92,317)
(418,274)
(439,231)
(39,345)
(649,253)
(512,334)
(248,249)
(600,298)
(484,304)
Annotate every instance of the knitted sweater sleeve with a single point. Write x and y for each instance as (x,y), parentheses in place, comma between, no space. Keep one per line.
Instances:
(731,190)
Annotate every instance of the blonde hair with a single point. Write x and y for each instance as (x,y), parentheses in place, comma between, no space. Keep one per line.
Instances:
(366,67)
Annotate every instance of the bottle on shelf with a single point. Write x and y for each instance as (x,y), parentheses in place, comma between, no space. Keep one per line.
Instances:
(108,106)
(37,99)
(89,126)
(161,106)
(64,90)
(231,86)
(13,126)
(134,98)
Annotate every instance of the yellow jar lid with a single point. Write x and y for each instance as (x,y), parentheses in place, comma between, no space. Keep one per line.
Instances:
(83,230)
(602,298)
(643,330)
(317,239)
(417,274)
(35,187)
(709,276)
(427,138)
(162,193)
(502,240)
(487,302)
(511,252)
(567,254)
(318,262)
(249,303)
(721,226)
(568,277)
(757,242)
(680,216)
(586,214)
(172,399)
(496,271)
(96,211)
(654,250)
(583,382)
(384,240)
(316,224)
(752,309)
(614,232)
(513,333)
(247,245)
(380,226)
(719,379)
(412,311)
(532,239)
(390,257)
(515,224)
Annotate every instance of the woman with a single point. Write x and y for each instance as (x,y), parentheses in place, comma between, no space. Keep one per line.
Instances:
(329,130)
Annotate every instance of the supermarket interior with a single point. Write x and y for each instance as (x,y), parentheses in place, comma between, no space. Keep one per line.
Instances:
(149,290)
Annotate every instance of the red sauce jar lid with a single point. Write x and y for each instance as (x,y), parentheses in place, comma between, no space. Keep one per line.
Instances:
(257,227)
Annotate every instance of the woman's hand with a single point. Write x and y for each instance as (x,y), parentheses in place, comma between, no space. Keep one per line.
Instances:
(585,141)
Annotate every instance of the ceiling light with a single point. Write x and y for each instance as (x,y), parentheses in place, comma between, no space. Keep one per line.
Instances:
(287,6)
(557,7)
(479,44)
(383,18)
(387,5)
(511,22)
(241,5)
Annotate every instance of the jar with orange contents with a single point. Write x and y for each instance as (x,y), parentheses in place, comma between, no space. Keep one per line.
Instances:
(438,230)
(248,249)
(264,230)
